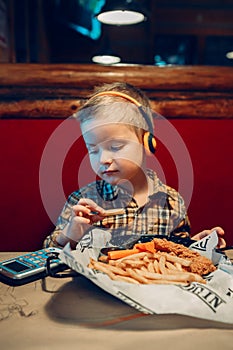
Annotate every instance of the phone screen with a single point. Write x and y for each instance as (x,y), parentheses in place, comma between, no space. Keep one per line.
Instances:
(16,266)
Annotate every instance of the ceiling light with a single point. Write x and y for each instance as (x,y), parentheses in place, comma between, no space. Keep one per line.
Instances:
(105,54)
(121,13)
(106,59)
(229,55)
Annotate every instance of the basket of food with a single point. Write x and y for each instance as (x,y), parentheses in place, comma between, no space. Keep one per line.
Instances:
(159,275)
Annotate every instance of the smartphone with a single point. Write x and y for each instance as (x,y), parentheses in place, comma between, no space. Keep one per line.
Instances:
(30,266)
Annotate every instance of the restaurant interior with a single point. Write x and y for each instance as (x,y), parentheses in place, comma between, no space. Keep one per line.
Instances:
(52,54)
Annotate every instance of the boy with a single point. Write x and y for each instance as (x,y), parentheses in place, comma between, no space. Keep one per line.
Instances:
(117,127)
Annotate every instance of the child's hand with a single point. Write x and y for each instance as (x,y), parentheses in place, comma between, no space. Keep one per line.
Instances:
(84,214)
(220,232)
(87,211)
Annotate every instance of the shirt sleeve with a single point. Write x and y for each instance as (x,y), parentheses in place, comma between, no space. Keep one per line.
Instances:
(180,222)
(62,222)
(183,229)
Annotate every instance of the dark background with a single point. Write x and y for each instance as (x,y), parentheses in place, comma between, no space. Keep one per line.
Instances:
(180,32)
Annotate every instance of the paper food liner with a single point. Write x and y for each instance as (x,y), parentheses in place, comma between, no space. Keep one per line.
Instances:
(211,301)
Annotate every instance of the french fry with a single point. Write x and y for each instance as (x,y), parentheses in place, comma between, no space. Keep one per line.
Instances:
(144,268)
(171,266)
(100,267)
(156,266)
(179,277)
(176,259)
(103,258)
(178,266)
(140,255)
(117,270)
(134,263)
(167,282)
(137,276)
(150,267)
(120,264)
(162,267)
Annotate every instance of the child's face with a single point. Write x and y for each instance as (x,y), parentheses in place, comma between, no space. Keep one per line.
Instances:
(115,152)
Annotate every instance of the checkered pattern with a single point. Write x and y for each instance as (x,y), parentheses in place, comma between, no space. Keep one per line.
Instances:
(163,214)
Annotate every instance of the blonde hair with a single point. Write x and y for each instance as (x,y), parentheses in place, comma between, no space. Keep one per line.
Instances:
(108,106)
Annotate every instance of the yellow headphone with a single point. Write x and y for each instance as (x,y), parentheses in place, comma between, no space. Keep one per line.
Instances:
(149,140)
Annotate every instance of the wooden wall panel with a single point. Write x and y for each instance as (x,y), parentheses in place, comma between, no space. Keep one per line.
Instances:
(54,91)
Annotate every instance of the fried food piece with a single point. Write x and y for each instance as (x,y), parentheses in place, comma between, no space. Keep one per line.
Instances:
(199,264)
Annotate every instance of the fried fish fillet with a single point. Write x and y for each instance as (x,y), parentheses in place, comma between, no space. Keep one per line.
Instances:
(199,263)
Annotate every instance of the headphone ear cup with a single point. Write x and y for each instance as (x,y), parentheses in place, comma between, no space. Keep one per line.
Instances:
(149,142)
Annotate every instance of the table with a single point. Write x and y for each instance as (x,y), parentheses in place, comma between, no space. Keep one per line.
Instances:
(75,314)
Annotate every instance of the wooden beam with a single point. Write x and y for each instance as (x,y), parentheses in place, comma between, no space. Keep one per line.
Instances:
(55,90)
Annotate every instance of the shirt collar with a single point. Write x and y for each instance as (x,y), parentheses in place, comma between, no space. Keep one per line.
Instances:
(155,184)
(109,192)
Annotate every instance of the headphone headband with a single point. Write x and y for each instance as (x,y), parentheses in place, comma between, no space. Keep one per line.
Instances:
(120,94)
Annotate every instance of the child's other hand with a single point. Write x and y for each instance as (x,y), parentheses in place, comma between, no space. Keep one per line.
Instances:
(220,232)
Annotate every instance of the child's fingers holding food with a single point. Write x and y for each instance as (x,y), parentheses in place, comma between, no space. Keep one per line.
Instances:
(91,206)
(88,210)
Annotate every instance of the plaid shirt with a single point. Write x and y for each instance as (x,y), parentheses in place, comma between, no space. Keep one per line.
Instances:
(163,214)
